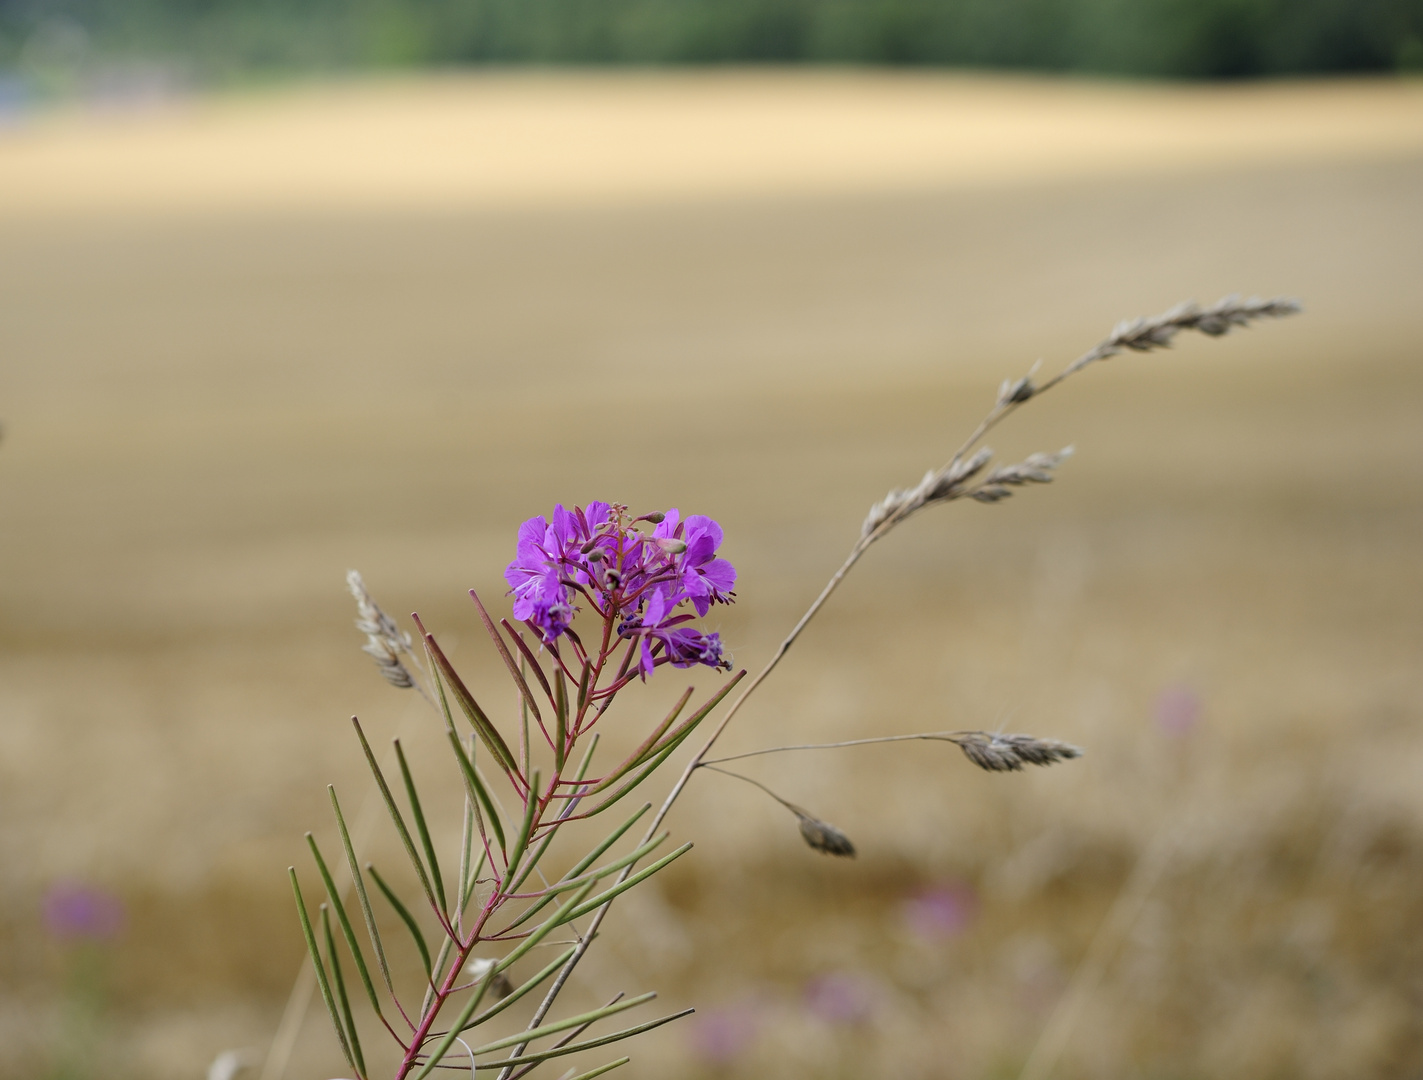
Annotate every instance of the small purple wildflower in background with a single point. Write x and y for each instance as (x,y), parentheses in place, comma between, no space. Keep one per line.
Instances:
(943,911)
(78,912)
(719,1036)
(841,998)
(635,580)
(1178,710)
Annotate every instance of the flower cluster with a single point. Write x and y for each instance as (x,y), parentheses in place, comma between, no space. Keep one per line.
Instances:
(637,581)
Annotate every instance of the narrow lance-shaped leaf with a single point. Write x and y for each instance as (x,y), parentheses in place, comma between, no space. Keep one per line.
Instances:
(395,814)
(557,919)
(356,879)
(583,688)
(538,670)
(321,981)
(420,826)
(475,789)
(647,744)
(589,1044)
(486,731)
(521,839)
(508,659)
(583,864)
(643,771)
(665,749)
(526,746)
(634,856)
(347,931)
(601,1069)
(529,864)
(564,1024)
(405,917)
(466,850)
(339,981)
(560,719)
(623,886)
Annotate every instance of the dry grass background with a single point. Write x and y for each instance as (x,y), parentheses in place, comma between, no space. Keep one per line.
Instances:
(221,393)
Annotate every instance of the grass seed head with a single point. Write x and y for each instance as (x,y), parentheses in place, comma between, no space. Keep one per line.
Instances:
(1009,753)
(823,836)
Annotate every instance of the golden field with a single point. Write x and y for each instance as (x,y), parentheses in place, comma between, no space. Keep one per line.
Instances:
(247,343)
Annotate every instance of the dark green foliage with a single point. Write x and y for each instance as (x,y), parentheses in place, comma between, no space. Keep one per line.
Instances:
(1170,38)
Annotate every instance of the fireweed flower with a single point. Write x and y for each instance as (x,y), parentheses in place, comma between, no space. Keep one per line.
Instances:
(637,582)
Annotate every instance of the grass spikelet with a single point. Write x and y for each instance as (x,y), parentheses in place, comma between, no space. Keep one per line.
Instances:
(385,641)
(823,836)
(1009,753)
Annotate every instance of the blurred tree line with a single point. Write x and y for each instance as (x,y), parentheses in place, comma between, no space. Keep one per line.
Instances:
(1166,38)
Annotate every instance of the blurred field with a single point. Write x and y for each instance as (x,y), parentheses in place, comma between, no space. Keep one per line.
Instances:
(250,343)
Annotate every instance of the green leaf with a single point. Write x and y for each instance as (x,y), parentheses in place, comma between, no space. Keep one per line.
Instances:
(395,814)
(486,731)
(528,865)
(560,719)
(632,760)
(586,1044)
(340,982)
(563,1025)
(663,751)
(521,839)
(558,918)
(508,659)
(420,826)
(474,786)
(582,865)
(583,688)
(347,931)
(601,1069)
(623,886)
(538,670)
(521,990)
(406,918)
(321,980)
(466,853)
(356,879)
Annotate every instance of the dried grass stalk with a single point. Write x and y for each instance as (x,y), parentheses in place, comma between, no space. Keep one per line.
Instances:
(1134,335)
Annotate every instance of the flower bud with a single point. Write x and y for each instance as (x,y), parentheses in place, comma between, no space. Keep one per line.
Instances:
(671,545)
(656,517)
(594,556)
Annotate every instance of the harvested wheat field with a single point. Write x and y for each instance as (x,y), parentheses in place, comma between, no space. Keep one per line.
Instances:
(248,343)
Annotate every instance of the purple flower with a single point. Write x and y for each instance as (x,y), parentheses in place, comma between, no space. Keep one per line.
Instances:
(841,998)
(633,579)
(721,1035)
(701,576)
(1178,710)
(73,911)
(943,911)
(666,636)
